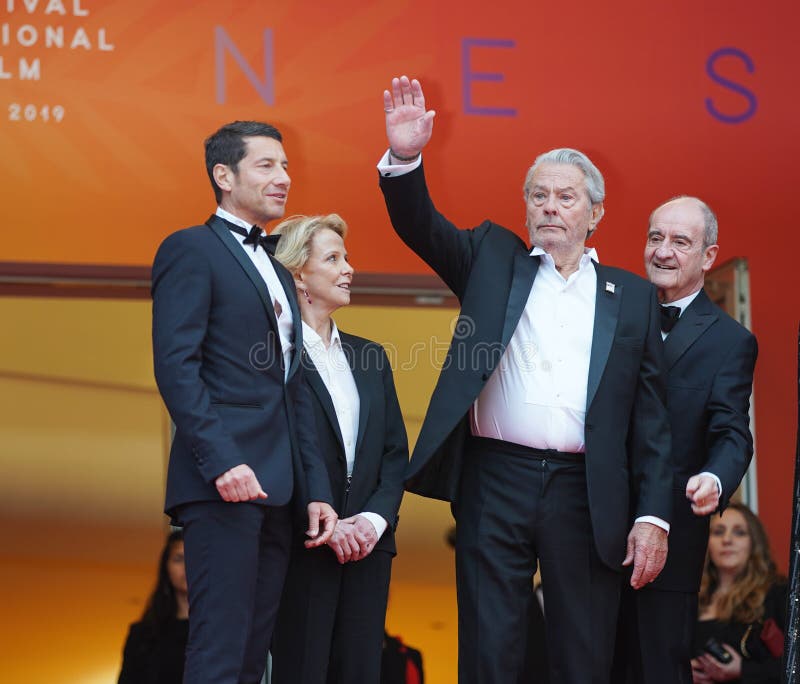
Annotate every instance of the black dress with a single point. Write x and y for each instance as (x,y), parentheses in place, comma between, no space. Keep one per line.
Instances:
(759,666)
(152,657)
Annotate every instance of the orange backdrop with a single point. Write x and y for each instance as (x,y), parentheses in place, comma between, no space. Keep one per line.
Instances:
(667,97)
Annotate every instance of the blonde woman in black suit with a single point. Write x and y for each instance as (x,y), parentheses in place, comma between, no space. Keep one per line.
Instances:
(330,625)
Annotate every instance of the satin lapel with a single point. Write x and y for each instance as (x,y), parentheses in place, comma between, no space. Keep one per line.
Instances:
(694,321)
(317,386)
(291,294)
(356,361)
(525,268)
(221,230)
(606,313)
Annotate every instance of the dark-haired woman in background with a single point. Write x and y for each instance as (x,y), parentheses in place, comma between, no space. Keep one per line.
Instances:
(330,624)
(155,647)
(742,604)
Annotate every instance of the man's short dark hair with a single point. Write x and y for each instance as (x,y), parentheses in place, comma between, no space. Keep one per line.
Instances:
(227,146)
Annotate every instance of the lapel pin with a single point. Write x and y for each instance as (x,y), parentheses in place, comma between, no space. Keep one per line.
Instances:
(609,287)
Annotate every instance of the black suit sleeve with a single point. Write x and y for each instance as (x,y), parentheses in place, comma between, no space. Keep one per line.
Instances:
(317,483)
(385,500)
(445,248)
(729,442)
(181,305)
(650,439)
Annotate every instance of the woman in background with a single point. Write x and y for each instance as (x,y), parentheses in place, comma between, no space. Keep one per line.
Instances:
(155,647)
(742,605)
(331,620)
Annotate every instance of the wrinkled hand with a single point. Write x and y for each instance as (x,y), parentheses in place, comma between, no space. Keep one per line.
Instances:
(343,542)
(366,536)
(702,491)
(647,550)
(408,124)
(320,512)
(714,671)
(353,539)
(239,484)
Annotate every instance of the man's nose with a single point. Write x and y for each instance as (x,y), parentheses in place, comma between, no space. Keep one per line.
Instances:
(664,250)
(550,206)
(283,178)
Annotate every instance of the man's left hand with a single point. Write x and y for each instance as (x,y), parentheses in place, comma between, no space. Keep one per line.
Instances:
(365,533)
(647,550)
(320,512)
(703,492)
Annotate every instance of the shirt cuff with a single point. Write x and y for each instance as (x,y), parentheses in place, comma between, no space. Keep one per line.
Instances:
(716,479)
(388,170)
(377,522)
(663,524)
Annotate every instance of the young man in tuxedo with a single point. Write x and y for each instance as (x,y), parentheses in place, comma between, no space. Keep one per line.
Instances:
(226,345)
(710,360)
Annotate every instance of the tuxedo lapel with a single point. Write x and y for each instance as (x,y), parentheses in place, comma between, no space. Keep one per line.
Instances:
(317,386)
(693,322)
(220,228)
(289,288)
(606,313)
(356,361)
(525,268)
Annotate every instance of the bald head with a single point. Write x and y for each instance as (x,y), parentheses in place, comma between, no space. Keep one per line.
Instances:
(681,247)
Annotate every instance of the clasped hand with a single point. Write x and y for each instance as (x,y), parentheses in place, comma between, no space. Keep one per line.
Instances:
(353,539)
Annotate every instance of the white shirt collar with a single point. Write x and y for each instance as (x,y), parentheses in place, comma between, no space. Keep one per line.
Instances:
(589,254)
(234,219)
(311,338)
(683,302)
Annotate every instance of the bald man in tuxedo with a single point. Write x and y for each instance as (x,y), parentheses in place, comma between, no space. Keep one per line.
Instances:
(710,361)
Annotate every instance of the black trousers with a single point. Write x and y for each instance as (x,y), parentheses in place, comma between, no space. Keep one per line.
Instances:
(331,621)
(236,558)
(518,507)
(655,637)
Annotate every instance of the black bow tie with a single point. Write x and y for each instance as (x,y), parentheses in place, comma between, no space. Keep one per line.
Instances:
(669,317)
(255,238)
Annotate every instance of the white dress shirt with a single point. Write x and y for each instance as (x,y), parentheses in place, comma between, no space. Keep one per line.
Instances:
(334,369)
(537,395)
(262,262)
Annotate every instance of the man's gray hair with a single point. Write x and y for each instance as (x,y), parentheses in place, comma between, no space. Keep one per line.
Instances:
(710,223)
(595,185)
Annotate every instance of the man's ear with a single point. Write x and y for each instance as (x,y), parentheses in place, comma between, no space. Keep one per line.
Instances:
(709,256)
(597,212)
(223,176)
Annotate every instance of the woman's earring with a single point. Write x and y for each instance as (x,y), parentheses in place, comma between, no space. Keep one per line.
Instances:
(305,294)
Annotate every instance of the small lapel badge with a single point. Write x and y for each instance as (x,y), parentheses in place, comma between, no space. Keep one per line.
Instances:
(609,287)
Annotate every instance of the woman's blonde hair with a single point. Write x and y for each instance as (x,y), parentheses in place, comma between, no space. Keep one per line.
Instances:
(745,601)
(297,232)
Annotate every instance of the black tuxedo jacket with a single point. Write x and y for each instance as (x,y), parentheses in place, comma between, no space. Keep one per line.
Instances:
(381,445)
(491,272)
(219,368)
(710,361)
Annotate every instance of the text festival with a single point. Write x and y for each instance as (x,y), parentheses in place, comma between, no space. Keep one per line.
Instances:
(29,35)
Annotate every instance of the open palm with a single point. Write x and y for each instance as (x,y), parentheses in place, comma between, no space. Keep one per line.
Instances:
(408,124)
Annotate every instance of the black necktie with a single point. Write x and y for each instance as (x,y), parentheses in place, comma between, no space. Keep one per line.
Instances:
(669,317)
(255,238)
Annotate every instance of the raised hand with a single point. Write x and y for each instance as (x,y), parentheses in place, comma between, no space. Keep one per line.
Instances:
(408,124)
